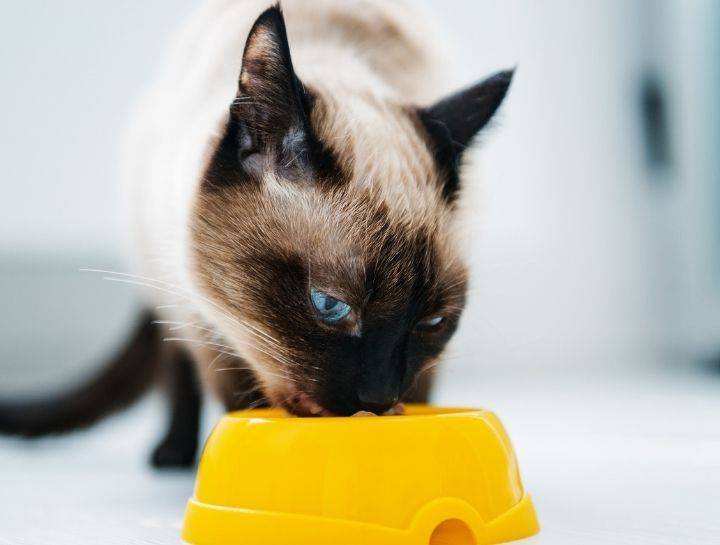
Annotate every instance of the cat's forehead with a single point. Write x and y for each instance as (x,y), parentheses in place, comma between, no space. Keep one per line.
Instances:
(355,236)
(353,219)
(381,149)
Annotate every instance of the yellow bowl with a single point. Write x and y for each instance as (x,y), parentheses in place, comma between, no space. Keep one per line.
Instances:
(435,476)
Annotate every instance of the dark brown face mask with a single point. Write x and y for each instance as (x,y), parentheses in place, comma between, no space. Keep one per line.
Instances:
(359,311)
(391,311)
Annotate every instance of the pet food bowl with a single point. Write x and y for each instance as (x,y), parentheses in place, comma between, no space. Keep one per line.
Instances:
(434,476)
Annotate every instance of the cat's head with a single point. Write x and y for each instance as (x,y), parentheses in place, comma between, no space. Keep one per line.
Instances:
(324,230)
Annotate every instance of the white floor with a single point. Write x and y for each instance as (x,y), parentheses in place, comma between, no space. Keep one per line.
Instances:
(608,462)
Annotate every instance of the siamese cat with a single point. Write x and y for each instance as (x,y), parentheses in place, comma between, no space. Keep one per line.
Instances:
(293,179)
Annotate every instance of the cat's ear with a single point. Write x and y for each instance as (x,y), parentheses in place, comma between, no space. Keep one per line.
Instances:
(271,110)
(453,122)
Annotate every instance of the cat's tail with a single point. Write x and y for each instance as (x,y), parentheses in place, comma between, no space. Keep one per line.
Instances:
(124,380)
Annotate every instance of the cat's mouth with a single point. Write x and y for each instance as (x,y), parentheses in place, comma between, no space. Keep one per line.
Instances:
(305,406)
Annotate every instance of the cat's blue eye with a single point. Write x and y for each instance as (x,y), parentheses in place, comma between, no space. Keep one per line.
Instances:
(329,308)
(431,323)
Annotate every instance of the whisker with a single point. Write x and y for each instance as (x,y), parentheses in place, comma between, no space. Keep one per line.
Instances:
(199,341)
(219,356)
(276,375)
(207,346)
(279,355)
(181,325)
(144,281)
(279,358)
(257,403)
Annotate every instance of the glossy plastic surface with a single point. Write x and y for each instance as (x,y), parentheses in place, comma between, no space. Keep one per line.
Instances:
(436,476)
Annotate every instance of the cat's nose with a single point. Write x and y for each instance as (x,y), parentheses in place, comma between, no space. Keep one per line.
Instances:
(378,401)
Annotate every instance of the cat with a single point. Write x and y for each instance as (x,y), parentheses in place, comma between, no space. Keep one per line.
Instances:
(296,199)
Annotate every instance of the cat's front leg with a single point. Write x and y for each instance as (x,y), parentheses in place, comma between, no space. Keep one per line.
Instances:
(179,446)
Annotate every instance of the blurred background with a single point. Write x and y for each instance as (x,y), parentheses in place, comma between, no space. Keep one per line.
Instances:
(595,212)
(594,208)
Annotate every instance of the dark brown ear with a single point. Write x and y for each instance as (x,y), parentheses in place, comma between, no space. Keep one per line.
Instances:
(453,123)
(270,114)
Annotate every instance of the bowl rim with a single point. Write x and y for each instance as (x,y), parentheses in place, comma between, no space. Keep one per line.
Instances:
(414,412)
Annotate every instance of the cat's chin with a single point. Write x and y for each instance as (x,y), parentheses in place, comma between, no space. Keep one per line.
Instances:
(304,405)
